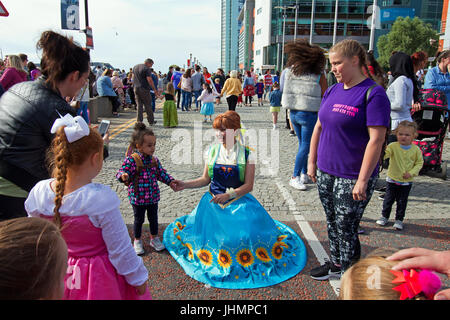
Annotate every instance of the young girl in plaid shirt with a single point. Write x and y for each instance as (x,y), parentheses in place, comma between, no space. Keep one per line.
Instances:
(141,171)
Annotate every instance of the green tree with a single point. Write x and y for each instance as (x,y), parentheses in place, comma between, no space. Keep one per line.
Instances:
(409,36)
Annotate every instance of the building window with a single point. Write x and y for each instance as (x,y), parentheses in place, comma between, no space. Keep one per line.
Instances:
(258,32)
(259,11)
(258,52)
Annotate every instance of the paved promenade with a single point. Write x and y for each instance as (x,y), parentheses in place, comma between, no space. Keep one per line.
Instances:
(180,151)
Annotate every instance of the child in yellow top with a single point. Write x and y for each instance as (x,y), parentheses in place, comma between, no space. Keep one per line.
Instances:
(233,86)
(405,162)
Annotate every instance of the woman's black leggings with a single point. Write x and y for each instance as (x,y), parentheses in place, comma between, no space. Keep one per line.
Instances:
(232,102)
(343,216)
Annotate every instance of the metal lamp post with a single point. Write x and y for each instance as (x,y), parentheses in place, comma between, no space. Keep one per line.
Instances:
(372,27)
(296,20)
(335,21)
(311,28)
(284,28)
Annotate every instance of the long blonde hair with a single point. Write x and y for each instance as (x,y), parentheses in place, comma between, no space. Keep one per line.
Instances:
(15,62)
(370,278)
(170,89)
(64,155)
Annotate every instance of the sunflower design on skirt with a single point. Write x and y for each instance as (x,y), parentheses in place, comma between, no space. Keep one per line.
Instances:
(190,251)
(245,257)
(224,259)
(261,254)
(205,257)
(280,238)
(179,225)
(277,249)
(175,230)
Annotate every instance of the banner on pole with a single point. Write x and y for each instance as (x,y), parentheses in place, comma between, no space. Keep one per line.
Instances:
(89,38)
(70,14)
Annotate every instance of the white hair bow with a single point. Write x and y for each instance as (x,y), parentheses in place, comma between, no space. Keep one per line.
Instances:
(75,128)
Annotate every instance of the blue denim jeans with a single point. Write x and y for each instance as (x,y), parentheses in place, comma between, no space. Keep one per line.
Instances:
(303,123)
(83,111)
(186,99)
(197,94)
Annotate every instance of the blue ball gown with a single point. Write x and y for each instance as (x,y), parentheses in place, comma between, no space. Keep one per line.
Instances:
(236,245)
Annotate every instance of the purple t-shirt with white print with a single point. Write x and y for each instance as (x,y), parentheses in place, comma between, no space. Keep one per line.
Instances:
(345,117)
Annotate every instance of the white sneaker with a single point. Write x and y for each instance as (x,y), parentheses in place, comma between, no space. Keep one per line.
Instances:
(157,244)
(398,225)
(274,127)
(382,221)
(138,247)
(304,179)
(297,184)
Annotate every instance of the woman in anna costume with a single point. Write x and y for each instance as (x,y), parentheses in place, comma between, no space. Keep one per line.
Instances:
(229,240)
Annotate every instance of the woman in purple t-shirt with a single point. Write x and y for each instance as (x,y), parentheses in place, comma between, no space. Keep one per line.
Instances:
(344,152)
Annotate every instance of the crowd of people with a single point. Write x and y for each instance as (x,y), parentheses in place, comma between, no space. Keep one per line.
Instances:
(70,232)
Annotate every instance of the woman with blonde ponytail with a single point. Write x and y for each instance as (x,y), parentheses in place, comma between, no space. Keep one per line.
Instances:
(102,262)
(344,152)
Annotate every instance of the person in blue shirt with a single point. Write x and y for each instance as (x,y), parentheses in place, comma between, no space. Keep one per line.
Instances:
(275,103)
(438,77)
(176,77)
(105,89)
(197,86)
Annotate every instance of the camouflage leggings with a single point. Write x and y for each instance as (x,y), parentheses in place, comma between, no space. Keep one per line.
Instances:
(343,216)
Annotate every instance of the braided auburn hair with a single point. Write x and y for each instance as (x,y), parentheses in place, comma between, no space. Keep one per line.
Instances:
(64,156)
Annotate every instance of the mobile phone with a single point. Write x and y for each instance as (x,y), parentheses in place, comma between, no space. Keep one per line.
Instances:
(103,127)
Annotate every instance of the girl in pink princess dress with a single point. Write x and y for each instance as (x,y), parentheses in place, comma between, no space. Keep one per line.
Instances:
(102,264)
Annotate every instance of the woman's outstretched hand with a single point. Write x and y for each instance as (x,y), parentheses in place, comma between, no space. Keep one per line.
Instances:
(420,258)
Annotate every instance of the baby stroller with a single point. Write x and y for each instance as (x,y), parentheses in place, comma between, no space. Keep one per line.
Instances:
(432,121)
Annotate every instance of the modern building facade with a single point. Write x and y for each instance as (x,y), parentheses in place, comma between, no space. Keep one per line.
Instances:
(275,21)
(230,27)
(444,41)
(429,11)
(246,35)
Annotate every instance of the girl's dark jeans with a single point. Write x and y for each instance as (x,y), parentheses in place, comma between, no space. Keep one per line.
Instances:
(139,217)
(399,194)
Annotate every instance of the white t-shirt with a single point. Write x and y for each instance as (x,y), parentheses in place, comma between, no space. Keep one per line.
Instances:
(400,94)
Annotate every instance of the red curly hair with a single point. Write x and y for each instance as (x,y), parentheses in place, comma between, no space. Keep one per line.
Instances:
(227,120)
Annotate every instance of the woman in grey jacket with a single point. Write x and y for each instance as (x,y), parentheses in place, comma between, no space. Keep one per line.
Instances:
(304,84)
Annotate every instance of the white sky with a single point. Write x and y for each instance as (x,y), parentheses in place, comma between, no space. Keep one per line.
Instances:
(165,30)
